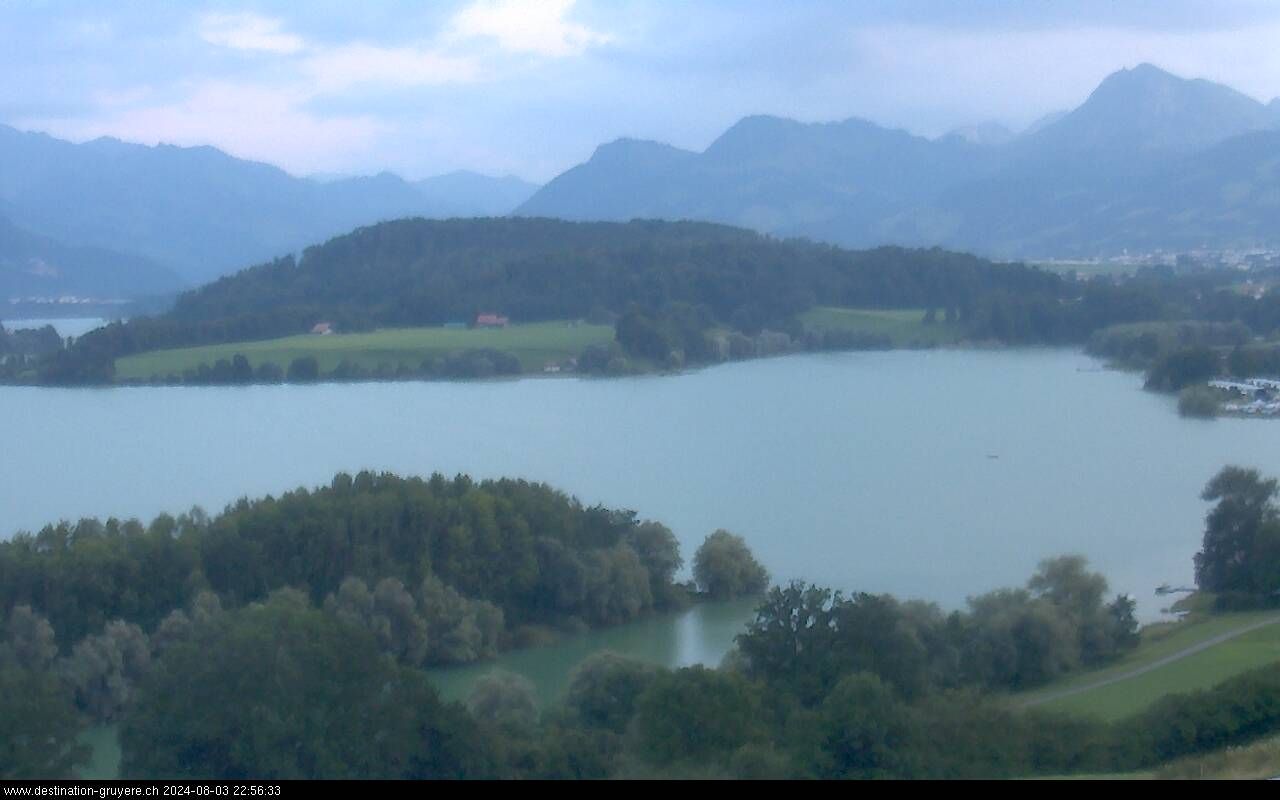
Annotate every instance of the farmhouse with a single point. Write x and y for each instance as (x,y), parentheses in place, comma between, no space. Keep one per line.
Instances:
(322,328)
(489,320)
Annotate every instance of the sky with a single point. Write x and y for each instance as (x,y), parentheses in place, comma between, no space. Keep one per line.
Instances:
(532,87)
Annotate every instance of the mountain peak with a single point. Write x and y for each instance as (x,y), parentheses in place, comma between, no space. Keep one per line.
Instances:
(1148,71)
(1146,110)
(626,150)
(1142,80)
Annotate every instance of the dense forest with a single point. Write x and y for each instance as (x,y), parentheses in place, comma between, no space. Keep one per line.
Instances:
(422,272)
(504,558)
(316,613)
(678,293)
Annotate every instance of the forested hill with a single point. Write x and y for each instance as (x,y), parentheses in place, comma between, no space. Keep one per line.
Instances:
(424,271)
(428,272)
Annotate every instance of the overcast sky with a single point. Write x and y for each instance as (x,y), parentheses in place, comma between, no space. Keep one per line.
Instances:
(531,87)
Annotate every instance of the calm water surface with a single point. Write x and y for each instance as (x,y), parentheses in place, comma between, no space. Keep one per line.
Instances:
(935,474)
(77,326)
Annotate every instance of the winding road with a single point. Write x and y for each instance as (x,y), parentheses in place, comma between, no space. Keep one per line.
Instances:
(1157,664)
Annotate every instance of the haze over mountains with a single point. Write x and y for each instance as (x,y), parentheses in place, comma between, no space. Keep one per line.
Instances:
(196,210)
(33,266)
(1150,161)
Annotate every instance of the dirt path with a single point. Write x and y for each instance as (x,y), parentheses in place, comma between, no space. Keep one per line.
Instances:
(1157,664)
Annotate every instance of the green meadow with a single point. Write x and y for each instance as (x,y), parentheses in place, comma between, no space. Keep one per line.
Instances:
(1200,670)
(535,345)
(904,327)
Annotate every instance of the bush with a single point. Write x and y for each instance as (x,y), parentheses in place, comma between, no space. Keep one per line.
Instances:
(724,568)
(303,370)
(1198,401)
(1183,368)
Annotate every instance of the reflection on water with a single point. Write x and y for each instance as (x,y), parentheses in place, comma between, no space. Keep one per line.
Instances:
(701,635)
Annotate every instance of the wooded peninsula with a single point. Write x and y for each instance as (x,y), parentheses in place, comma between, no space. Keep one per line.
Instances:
(614,298)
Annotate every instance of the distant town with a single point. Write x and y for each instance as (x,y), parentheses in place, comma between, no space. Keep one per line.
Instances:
(1246,260)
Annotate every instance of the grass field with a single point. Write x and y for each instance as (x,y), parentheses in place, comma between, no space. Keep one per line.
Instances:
(904,327)
(536,345)
(1197,671)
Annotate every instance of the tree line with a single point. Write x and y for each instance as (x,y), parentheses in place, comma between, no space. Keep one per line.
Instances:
(317,612)
(427,272)
(536,556)
(23,347)
(674,289)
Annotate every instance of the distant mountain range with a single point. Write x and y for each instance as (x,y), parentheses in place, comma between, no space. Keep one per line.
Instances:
(203,213)
(1150,160)
(34,266)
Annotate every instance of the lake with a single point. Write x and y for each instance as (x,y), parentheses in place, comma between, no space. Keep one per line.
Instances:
(935,474)
(74,326)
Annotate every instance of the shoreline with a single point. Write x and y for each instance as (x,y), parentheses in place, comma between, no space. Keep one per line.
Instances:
(968,346)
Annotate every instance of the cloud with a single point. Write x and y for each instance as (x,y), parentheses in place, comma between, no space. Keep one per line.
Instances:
(534,27)
(339,68)
(247,31)
(534,85)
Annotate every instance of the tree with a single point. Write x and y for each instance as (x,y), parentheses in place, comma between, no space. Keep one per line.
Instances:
(504,699)
(617,586)
(659,554)
(389,612)
(1065,582)
(105,669)
(1182,368)
(724,568)
(1241,548)
(805,639)
(604,690)
(39,726)
(789,645)
(459,630)
(29,640)
(1198,401)
(696,714)
(1102,629)
(303,369)
(179,625)
(279,690)
(241,371)
(1015,640)
(866,731)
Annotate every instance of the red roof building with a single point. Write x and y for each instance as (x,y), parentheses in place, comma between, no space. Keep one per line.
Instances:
(491,321)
